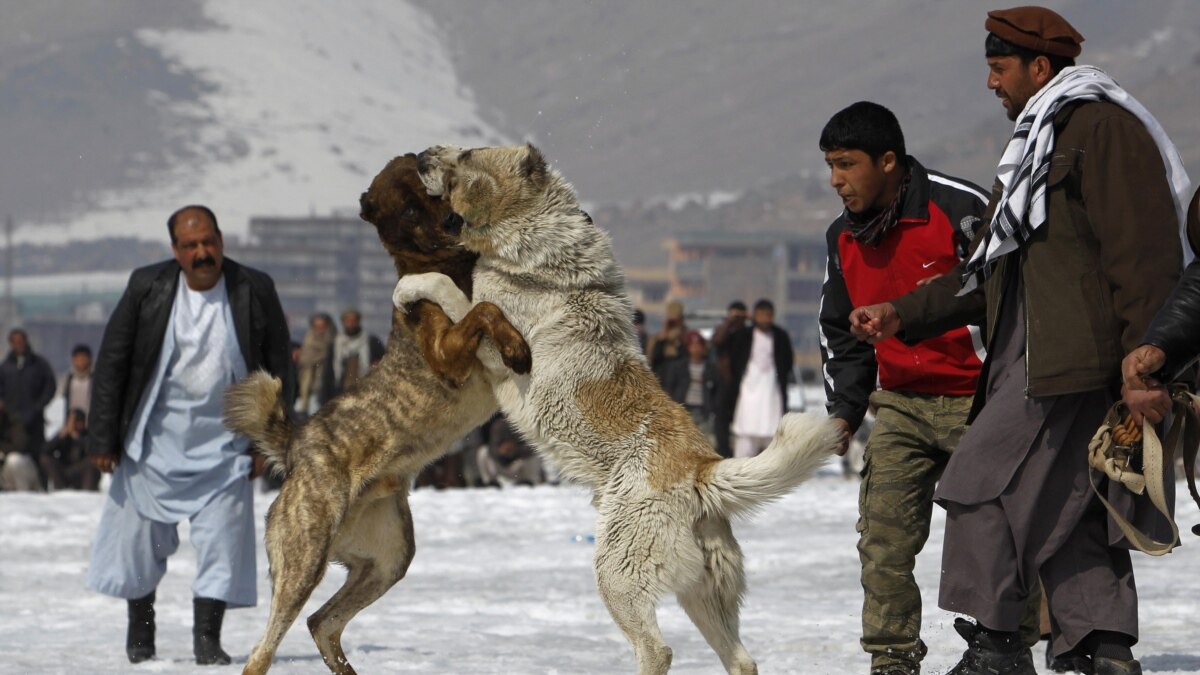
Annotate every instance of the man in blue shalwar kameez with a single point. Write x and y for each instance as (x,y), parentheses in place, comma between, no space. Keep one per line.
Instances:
(184,330)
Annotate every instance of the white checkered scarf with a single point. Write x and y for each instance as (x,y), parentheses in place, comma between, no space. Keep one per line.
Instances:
(1025,165)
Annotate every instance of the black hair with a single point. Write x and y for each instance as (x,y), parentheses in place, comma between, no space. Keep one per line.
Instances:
(81,349)
(864,126)
(764,303)
(191,207)
(14,331)
(736,304)
(639,316)
(998,46)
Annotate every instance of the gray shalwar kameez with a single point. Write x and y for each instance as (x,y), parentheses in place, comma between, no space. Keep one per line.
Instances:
(1019,504)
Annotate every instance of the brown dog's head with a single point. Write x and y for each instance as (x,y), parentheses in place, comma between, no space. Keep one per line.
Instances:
(409,223)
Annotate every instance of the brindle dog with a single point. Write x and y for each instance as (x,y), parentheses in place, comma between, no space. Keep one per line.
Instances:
(348,469)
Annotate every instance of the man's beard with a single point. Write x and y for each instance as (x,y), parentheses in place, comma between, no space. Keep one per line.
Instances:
(353,332)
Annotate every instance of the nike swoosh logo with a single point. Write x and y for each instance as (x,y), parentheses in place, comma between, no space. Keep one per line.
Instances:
(929,264)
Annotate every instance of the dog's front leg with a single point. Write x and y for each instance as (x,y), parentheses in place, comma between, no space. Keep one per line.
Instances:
(434,287)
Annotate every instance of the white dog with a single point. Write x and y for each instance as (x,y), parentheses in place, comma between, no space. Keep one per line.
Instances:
(663,497)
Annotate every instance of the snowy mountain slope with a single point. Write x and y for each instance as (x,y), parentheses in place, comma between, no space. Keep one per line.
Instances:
(113,113)
(302,103)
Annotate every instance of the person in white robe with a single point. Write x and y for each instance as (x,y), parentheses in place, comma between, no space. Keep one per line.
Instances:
(156,425)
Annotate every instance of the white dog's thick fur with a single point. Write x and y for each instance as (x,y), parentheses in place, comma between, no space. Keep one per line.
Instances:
(663,497)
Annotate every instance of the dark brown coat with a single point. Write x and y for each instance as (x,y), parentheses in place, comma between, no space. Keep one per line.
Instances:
(1095,273)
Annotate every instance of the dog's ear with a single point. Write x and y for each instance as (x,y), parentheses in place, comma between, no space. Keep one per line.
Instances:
(534,163)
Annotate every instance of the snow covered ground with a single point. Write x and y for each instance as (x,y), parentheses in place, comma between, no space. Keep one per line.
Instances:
(501,584)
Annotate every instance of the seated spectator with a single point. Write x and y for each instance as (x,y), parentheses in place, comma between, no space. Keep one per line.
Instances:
(18,471)
(452,470)
(692,381)
(508,456)
(64,459)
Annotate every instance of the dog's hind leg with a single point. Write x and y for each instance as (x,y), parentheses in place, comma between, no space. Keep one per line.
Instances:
(713,601)
(376,544)
(626,576)
(300,526)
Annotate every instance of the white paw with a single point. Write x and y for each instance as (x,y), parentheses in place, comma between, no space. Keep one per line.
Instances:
(414,287)
(434,287)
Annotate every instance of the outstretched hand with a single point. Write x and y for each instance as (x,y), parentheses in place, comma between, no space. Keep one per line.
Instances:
(874,323)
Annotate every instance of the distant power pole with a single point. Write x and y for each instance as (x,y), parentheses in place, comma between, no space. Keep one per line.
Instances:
(8,267)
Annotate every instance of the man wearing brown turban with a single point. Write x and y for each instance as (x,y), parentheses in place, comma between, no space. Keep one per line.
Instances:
(1083,245)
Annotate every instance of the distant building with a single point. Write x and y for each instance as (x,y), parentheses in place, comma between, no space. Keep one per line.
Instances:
(647,288)
(708,270)
(59,311)
(323,264)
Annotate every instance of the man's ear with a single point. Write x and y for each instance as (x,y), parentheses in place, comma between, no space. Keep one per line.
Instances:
(1040,70)
(888,161)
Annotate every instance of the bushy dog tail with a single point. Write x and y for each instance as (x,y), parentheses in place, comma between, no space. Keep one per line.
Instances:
(254,408)
(803,442)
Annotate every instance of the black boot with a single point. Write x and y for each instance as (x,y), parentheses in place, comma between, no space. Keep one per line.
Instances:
(206,632)
(1108,666)
(992,652)
(1071,662)
(139,638)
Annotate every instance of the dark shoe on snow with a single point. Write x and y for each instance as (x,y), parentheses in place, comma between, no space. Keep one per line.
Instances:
(1107,666)
(139,638)
(992,652)
(206,632)
(1071,662)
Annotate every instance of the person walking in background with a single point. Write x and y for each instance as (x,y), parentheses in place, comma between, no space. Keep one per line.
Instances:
(725,392)
(65,460)
(667,345)
(1082,247)
(75,386)
(314,386)
(901,224)
(692,381)
(27,385)
(760,360)
(182,332)
(354,351)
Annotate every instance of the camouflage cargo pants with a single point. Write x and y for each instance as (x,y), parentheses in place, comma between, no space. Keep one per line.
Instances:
(912,440)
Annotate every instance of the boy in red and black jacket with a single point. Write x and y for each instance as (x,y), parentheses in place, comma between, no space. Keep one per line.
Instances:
(901,225)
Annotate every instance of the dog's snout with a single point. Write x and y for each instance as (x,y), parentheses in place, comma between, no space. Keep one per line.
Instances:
(452,223)
(366,207)
(423,161)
